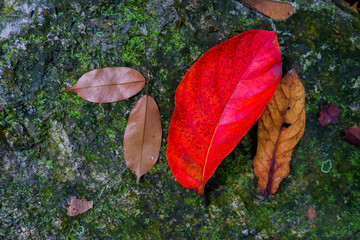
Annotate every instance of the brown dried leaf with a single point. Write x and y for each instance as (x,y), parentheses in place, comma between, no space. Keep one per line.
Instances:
(110,84)
(310,213)
(280,128)
(273,9)
(329,114)
(142,138)
(352,135)
(78,206)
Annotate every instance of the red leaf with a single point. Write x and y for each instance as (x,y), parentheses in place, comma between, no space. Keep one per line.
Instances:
(352,135)
(329,114)
(218,100)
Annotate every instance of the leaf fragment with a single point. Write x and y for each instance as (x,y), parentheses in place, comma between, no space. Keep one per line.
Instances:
(355,7)
(329,114)
(142,138)
(310,213)
(352,135)
(280,128)
(78,206)
(273,9)
(217,101)
(110,84)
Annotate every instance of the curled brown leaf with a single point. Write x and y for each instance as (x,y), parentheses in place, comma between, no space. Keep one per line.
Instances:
(281,126)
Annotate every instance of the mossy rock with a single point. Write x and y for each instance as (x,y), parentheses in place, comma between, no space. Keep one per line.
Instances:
(54,145)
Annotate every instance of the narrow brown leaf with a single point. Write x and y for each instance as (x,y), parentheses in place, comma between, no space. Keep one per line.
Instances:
(310,213)
(273,9)
(142,138)
(352,135)
(78,206)
(329,114)
(110,84)
(280,128)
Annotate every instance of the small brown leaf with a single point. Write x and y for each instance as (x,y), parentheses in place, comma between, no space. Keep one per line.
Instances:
(142,138)
(310,213)
(355,7)
(329,114)
(110,84)
(352,135)
(78,206)
(280,128)
(273,9)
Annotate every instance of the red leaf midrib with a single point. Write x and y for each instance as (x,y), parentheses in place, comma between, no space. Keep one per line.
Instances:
(224,107)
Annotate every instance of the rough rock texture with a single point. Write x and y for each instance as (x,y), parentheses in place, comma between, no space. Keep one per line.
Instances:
(54,145)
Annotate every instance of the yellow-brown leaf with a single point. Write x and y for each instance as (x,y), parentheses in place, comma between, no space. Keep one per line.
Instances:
(281,126)
(354,7)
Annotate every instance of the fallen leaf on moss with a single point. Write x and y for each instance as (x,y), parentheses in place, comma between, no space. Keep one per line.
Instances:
(352,135)
(142,138)
(356,7)
(311,213)
(280,128)
(217,101)
(110,84)
(353,5)
(78,206)
(329,114)
(273,9)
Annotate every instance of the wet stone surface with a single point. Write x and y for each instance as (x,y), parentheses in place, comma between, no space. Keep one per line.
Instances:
(54,145)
